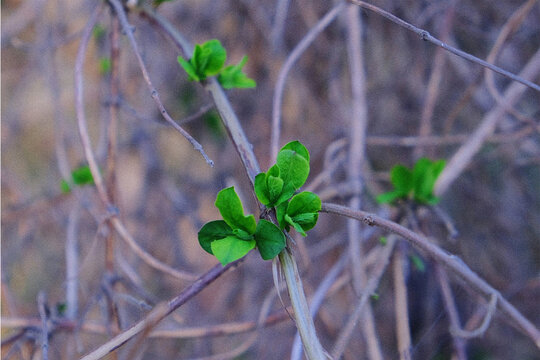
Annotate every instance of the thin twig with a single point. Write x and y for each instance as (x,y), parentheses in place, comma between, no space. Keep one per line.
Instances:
(511,25)
(448,140)
(424,35)
(112,135)
(401,308)
(434,83)
(79,105)
(173,304)
(312,346)
(372,284)
(318,297)
(356,161)
(291,59)
(278,26)
(452,262)
(98,180)
(462,158)
(44,315)
(145,256)
(126,27)
(72,262)
(451,310)
(197,114)
(483,327)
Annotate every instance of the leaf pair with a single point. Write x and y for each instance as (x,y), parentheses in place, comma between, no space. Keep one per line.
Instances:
(289,173)
(302,212)
(275,187)
(418,182)
(233,237)
(80,176)
(208,60)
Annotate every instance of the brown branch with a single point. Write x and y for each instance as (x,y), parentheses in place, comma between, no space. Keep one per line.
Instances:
(291,59)
(79,105)
(172,305)
(452,262)
(434,85)
(356,161)
(44,316)
(368,290)
(126,27)
(451,310)
(401,308)
(511,25)
(424,35)
(469,334)
(464,155)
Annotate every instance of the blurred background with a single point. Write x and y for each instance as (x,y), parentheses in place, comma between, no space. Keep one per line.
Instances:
(165,191)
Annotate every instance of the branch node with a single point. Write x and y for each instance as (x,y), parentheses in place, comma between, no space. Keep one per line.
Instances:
(368,220)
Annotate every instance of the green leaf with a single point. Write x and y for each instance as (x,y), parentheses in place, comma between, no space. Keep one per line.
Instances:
(231,248)
(275,186)
(242,235)
(270,239)
(261,189)
(99,32)
(268,186)
(301,212)
(389,197)
(82,176)
(425,174)
(305,202)
(104,65)
(159,2)
(418,263)
(233,77)
(402,179)
(212,231)
(420,181)
(231,210)
(189,69)
(294,224)
(61,308)
(208,59)
(281,211)
(64,186)
(293,170)
(298,147)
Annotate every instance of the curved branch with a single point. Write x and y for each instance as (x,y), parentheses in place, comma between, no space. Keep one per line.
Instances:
(280,84)
(118,7)
(452,262)
(426,36)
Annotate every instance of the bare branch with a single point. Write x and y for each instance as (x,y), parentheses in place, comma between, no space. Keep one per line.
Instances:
(424,35)
(291,59)
(464,155)
(452,262)
(118,7)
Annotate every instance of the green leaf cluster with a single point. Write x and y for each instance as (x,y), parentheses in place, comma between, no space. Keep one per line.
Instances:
(278,185)
(233,237)
(209,60)
(80,177)
(416,184)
